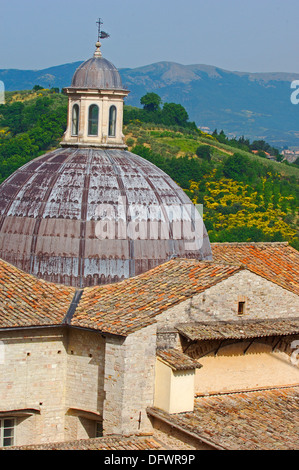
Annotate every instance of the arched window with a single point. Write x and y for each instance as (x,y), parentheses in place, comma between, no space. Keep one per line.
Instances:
(75,119)
(93,120)
(112,121)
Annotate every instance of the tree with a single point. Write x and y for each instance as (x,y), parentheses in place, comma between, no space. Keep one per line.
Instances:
(151,102)
(238,167)
(37,88)
(13,117)
(222,137)
(204,152)
(174,114)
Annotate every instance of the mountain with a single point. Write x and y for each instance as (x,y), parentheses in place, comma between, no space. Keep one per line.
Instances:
(256,105)
(58,76)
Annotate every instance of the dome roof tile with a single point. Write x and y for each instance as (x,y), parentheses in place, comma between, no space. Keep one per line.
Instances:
(51,207)
(98,73)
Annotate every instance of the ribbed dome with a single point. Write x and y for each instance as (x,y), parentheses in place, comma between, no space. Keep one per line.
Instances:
(51,207)
(97,72)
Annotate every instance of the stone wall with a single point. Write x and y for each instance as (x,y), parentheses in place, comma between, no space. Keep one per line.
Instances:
(84,383)
(85,370)
(263,300)
(129,382)
(56,373)
(231,369)
(32,376)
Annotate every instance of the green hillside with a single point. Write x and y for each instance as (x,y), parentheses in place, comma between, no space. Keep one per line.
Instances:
(256,105)
(245,197)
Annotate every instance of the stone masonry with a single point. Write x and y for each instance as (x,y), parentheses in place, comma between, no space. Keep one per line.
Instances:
(129,382)
(263,299)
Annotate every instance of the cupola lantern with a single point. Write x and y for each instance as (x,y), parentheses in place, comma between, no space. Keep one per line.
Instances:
(95,110)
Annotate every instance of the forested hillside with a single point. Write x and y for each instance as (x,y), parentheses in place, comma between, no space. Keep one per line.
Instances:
(256,105)
(246,197)
(30,123)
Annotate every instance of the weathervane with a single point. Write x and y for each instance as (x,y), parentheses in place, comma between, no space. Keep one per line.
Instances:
(101,34)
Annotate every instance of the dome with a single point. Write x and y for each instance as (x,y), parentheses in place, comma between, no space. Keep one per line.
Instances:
(97,72)
(69,217)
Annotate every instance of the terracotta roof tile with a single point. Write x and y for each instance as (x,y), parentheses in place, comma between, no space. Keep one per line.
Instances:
(239,329)
(28,301)
(277,262)
(134,303)
(257,420)
(177,360)
(100,443)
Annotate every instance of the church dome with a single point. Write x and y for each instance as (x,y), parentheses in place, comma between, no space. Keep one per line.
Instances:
(91,212)
(98,73)
(68,217)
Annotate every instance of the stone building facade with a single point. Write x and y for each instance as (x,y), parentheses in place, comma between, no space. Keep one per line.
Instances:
(60,384)
(95,372)
(97,330)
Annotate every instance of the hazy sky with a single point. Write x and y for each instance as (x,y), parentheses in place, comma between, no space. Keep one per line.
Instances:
(251,36)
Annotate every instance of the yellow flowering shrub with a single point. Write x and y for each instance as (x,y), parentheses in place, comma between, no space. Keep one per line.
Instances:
(229,204)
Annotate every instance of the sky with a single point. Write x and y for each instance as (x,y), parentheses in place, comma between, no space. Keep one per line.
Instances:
(236,35)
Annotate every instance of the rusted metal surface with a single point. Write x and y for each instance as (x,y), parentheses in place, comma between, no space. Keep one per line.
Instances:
(99,73)
(53,209)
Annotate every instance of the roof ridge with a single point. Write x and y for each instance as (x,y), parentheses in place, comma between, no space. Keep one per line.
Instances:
(242,392)
(251,243)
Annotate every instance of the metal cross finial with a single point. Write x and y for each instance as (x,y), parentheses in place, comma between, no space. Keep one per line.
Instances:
(101,34)
(99,23)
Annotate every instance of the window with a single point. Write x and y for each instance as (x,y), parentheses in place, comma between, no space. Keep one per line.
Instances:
(112,121)
(93,120)
(75,119)
(241,308)
(7,432)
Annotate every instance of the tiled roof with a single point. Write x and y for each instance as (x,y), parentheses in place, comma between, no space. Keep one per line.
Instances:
(177,360)
(277,262)
(101,443)
(116,308)
(134,303)
(239,329)
(258,420)
(28,301)
(127,306)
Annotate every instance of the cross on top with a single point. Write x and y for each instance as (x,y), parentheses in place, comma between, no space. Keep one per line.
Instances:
(101,34)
